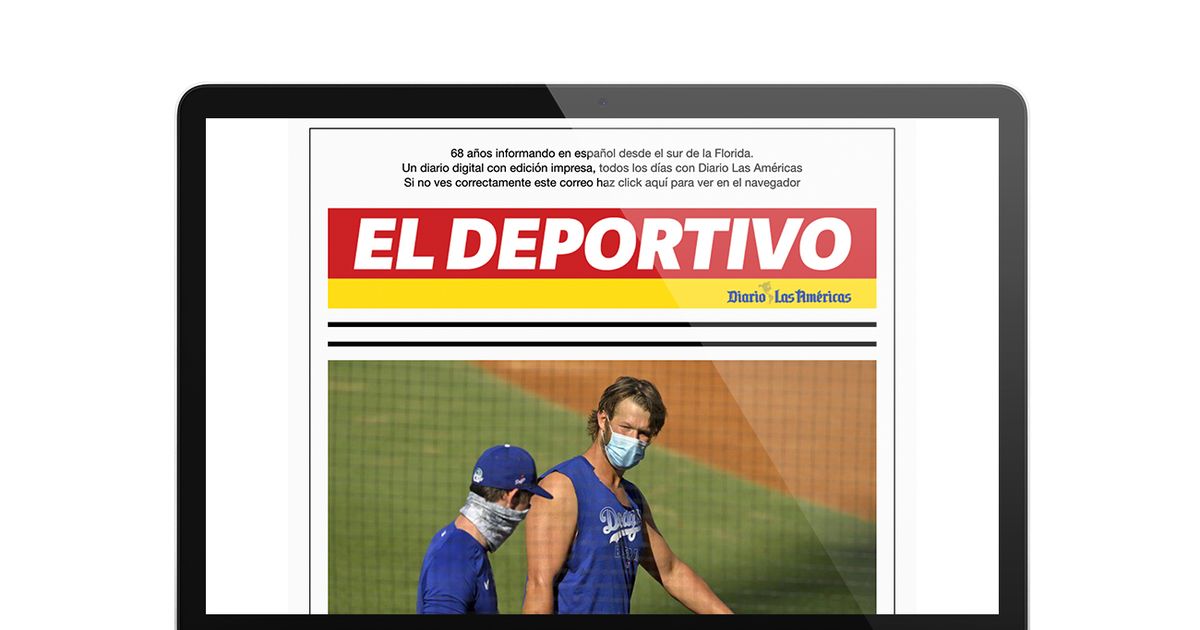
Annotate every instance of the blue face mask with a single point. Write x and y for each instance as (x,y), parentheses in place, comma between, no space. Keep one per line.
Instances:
(623,451)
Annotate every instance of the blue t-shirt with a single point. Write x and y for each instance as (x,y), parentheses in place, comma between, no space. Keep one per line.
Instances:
(603,561)
(456,576)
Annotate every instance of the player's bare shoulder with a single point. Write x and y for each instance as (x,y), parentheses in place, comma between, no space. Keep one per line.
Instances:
(563,491)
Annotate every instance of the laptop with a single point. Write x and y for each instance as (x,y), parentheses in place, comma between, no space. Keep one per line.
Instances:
(602,349)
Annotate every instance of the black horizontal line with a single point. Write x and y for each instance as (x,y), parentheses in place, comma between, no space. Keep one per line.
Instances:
(601,324)
(600,344)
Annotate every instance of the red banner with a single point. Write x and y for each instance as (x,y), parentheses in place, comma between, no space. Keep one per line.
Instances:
(602,243)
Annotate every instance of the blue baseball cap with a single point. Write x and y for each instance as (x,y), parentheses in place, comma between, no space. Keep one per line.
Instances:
(506,467)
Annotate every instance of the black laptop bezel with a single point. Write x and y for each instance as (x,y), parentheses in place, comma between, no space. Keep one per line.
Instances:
(603,101)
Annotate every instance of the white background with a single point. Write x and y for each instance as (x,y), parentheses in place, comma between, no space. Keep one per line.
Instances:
(87,250)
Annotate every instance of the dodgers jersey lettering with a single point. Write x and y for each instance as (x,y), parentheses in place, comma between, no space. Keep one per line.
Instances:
(603,560)
(456,576)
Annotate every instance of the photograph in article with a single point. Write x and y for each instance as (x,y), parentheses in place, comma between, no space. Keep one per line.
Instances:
(602,486)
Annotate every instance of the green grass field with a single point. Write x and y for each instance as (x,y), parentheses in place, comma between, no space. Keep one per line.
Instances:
(403,439)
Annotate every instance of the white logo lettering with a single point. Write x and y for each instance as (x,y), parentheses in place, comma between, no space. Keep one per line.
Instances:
(626,524)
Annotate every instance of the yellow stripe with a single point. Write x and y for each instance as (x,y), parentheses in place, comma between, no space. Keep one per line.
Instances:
(590,293)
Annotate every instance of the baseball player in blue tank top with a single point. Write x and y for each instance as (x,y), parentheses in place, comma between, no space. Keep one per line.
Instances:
(584,547)
(456,576)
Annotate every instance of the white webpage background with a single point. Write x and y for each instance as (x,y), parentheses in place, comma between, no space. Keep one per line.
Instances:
(362,168)
(951,494)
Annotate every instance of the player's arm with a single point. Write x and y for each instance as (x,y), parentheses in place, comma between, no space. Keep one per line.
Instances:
(674,574)
(549,530)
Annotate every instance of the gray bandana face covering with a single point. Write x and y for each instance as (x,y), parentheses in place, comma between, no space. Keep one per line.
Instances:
(493,520)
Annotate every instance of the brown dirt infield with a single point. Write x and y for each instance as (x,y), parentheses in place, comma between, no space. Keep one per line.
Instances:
(806,428)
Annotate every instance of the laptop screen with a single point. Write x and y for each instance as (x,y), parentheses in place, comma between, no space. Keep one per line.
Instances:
(753,360)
